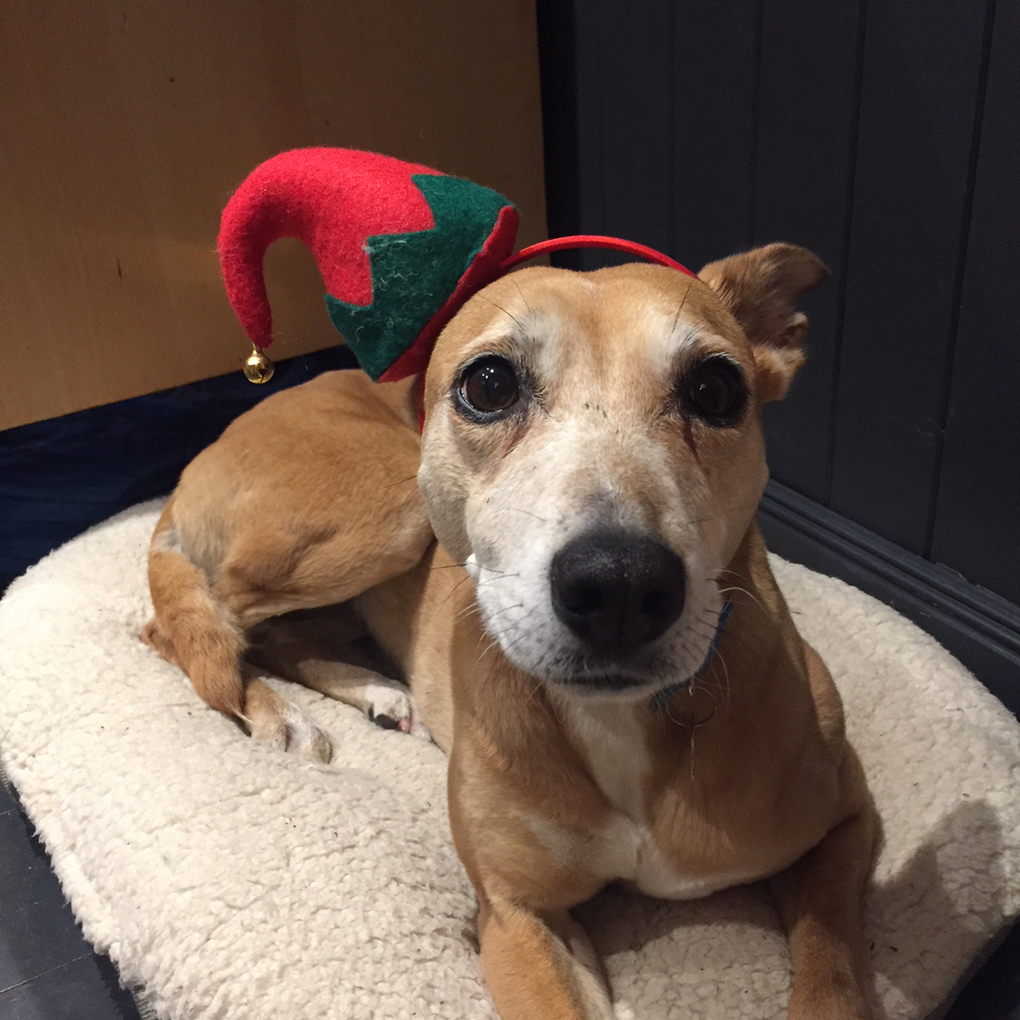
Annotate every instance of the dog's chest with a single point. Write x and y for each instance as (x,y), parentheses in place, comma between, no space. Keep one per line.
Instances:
(624,849)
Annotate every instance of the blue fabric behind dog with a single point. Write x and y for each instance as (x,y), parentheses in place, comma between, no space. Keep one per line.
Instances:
(59,477)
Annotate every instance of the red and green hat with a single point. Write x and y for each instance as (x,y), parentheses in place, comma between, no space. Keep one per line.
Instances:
(400,248)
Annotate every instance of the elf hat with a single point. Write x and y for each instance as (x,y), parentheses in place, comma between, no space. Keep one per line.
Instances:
(400,248)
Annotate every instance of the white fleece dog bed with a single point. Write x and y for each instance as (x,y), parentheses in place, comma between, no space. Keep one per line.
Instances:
(229,880)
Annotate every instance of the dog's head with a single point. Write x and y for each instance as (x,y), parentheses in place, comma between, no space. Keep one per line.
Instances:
(593,453)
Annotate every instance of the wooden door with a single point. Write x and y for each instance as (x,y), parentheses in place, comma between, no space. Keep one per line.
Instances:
(124,128)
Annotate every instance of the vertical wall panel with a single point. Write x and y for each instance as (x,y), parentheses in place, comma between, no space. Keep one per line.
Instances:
(805,144)
(558,54)
(977,524)
(634,83)
(621,68)
(922,62)
(591,151)
(715,62)
(883,135)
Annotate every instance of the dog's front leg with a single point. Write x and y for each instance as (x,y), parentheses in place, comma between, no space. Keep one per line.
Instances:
(540,967)
(821,898)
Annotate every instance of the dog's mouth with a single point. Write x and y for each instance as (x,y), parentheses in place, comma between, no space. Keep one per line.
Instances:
(612,673)
(610,685)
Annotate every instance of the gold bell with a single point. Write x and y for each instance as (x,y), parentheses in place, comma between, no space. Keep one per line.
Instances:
(258,368)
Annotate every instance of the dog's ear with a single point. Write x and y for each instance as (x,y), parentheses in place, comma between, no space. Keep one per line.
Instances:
(761,289)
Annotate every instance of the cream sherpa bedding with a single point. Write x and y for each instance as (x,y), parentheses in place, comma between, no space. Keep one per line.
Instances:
(229,880)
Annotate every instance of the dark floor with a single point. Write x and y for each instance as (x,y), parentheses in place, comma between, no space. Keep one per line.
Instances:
(49,972)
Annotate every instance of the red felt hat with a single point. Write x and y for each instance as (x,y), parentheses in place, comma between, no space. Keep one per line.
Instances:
(400,248)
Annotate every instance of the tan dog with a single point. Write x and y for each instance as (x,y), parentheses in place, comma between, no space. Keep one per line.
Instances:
(593,458)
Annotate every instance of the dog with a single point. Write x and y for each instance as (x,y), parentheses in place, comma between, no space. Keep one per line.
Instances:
(578,596)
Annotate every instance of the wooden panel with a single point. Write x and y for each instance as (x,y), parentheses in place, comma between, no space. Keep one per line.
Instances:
(126,127)
(807,120)
(922,62)
(977,524)
(715,63)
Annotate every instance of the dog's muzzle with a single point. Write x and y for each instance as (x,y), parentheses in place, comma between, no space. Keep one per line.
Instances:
(615,591)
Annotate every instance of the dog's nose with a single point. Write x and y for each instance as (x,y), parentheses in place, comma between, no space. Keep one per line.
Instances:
(617,589)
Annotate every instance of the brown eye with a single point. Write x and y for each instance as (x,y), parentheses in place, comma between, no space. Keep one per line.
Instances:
(489,385)
(714,391)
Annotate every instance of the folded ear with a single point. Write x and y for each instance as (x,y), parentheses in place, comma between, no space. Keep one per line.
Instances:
(761,289)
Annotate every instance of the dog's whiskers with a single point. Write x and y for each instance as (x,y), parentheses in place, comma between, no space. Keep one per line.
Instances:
(400,481)
(520,637)
(467,577)
(499,573)
(530,513)
(463,566)
(726,674)
(505,609)
(521,292)
(708,680)
(676,318)
(510,315)
(453,591)
(534,690)
(496,638)
(744,591)
(471,609)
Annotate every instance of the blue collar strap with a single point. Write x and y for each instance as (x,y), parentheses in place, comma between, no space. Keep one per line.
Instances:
(660,698)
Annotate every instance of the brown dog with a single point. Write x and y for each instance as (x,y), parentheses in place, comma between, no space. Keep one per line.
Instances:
(592,458)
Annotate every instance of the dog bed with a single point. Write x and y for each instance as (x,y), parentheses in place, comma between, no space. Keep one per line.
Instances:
(229,880)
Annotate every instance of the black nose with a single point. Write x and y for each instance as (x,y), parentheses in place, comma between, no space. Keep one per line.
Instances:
(617,589)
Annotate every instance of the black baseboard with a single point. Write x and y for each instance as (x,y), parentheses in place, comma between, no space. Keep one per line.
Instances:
(981,629)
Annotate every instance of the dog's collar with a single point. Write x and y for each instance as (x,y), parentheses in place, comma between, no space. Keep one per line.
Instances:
(660,698)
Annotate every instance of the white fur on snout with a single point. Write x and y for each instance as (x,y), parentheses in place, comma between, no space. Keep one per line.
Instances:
(564,480)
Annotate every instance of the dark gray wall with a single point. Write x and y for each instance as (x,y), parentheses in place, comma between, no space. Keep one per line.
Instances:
(882,135)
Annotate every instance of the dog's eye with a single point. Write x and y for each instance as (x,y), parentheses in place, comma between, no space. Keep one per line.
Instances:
(714,391)
(489,385)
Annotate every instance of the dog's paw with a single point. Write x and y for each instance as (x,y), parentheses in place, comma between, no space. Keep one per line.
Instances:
(392,708)
(296,733)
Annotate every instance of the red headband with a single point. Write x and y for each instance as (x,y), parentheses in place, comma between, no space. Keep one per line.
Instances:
(642,251)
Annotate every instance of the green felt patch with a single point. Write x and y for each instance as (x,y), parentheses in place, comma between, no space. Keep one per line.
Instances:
(413,274)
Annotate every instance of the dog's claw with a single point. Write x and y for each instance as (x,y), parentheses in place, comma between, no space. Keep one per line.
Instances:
(385,721)
(392,708)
